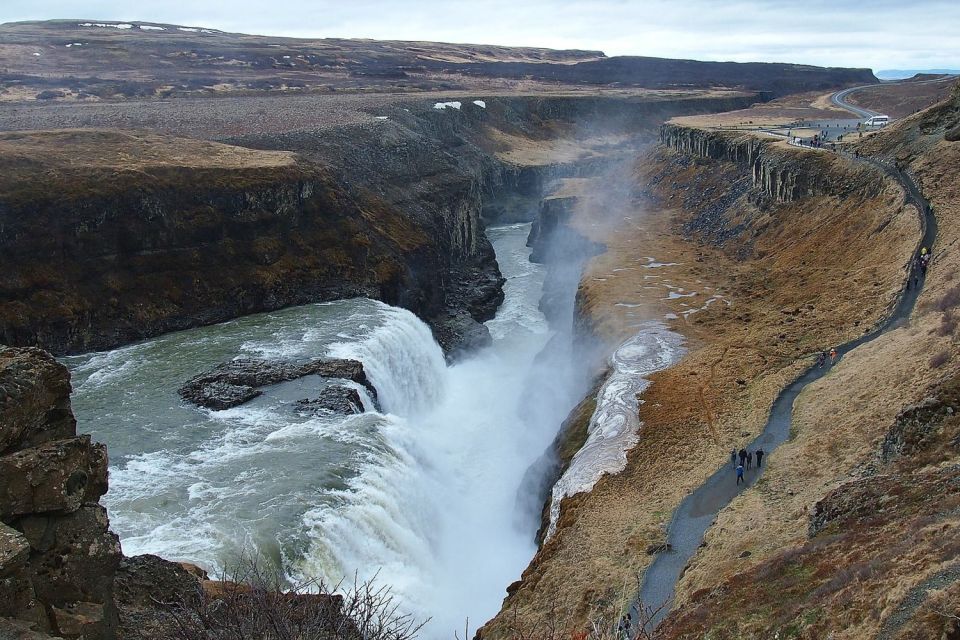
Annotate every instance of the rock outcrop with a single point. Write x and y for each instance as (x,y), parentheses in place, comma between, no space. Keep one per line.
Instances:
(157,232)
(233,383)
(334,400)
(57,554)
(779,175)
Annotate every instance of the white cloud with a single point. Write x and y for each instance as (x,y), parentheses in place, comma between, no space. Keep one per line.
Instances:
(878,34)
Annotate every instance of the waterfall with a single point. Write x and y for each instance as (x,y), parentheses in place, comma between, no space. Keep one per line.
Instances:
(402,361)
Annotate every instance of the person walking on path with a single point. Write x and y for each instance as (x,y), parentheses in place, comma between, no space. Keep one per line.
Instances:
(740,474)
(749,459)
(733,457)
(833,356)
(759,458)
(743,457)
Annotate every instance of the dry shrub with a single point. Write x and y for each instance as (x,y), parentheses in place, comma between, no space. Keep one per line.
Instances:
(253,603)
(939,359)
(948,324)
(950,299)
(605,621)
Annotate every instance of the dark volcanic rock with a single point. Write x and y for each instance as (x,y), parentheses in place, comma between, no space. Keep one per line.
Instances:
(335,400)
(57,476)
(146,590)
(849,502)
(458,334)
(915,428)
(57,554)
(219,395)
(34,398)
(233,383)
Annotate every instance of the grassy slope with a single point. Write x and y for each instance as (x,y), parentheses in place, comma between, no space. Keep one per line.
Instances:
(779,271)
(868,571)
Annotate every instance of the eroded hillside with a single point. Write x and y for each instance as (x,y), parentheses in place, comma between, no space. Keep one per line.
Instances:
(764,255)
(853,528)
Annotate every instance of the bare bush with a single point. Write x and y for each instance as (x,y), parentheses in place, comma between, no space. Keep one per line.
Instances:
(253,603)
(948,324)
(619,617)
(950,299)
(939,359)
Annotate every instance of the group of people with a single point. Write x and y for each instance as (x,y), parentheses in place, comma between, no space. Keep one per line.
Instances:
(625,627)
(823,356)
(743,460)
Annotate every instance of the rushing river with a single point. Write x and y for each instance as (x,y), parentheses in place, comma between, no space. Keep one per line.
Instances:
(424,495)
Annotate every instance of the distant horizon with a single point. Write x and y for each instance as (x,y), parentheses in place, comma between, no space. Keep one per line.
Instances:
(890,37)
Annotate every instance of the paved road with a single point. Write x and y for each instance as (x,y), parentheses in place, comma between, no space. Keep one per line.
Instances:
(698,510)
(840,99)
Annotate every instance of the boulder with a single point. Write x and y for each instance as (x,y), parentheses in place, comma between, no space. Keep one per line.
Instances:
(81,620)
(34,399)
(458,334)
(952,135)
(14,550)
(233,383)
(21,630)
(147,589)
(333,400)
(56,476)
(79,559)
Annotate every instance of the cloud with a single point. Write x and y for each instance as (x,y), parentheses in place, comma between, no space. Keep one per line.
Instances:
(878,34)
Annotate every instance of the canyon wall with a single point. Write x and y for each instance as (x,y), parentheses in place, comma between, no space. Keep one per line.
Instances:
(767,232)
(161,233)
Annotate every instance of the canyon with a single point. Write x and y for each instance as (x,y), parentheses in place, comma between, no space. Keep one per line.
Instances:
(690,272)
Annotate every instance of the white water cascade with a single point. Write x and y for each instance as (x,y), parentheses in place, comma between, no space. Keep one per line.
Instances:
(434,514)
(614,424)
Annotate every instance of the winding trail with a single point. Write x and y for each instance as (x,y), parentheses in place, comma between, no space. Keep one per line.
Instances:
(699,509)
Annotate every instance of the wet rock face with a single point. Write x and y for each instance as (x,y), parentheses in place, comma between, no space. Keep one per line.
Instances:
(57,554)
(333,401)
(233,383)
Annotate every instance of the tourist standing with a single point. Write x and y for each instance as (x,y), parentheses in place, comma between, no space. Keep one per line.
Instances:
(759,458)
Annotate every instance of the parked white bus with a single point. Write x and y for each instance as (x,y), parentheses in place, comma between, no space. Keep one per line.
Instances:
(877,121)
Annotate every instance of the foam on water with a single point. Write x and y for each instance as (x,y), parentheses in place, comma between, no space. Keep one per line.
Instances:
(614,425)
(402,360)
(424,495)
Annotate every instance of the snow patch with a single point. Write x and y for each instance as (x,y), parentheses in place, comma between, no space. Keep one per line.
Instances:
(480,103)
(452,105)
(150,27)
(119,25)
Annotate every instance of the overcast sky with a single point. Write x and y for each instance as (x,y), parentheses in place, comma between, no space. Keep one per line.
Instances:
(881,34)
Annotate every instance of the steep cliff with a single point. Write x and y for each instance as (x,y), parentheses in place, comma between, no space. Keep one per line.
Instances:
(115,236)
(103,254)
(57,555)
